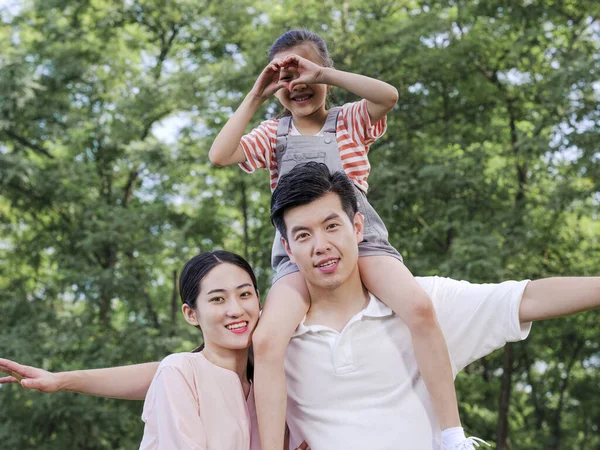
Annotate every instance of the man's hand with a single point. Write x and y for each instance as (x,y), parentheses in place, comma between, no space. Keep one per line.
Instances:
(29,377)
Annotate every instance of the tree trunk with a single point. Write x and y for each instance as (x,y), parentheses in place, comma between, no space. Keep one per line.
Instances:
(507,370)
(174,303)
(244,207)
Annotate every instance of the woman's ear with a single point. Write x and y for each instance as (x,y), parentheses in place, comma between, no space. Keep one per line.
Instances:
(190,315)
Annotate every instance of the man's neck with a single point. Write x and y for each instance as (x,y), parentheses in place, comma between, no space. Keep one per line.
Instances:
(334,307)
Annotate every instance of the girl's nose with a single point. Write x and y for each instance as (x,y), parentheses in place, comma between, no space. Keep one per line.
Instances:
(299,87)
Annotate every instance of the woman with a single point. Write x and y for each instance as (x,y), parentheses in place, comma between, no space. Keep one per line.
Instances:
(183,410)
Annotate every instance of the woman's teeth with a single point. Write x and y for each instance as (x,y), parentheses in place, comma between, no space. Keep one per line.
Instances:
(235,326)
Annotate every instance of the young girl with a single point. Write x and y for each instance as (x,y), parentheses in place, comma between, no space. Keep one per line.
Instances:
(299,74)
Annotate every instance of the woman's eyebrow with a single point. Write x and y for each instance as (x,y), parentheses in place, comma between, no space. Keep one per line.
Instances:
(213,291)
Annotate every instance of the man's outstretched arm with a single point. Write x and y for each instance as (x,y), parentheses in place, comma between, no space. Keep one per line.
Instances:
(558,297)
(127,382)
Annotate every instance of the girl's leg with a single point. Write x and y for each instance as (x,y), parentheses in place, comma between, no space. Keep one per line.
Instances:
(390,281)
(285,307)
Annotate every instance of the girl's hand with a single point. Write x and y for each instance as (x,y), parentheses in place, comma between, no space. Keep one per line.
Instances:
(296,70)
(29,377)
(268,81)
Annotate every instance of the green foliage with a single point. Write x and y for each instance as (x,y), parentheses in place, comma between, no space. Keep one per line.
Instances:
(489,170)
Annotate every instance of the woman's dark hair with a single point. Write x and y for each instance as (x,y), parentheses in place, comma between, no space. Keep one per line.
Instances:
(294,38)
(196,269)
(306,183)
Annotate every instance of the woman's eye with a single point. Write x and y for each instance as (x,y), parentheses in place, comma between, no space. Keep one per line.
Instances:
(246,294)
(217,299)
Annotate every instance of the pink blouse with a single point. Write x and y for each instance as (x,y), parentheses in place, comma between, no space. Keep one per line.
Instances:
(194,404)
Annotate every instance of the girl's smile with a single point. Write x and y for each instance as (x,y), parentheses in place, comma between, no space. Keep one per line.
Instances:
(303,101)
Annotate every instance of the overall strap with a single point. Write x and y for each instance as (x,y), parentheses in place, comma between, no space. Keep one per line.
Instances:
(331,122)
(283,129)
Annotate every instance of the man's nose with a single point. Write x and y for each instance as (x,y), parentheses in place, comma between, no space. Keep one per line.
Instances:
(322,244)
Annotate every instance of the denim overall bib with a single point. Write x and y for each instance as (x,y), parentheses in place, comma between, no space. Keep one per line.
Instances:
(294,150)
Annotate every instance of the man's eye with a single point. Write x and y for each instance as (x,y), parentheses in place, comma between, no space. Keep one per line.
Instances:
(301,236)
(332,225)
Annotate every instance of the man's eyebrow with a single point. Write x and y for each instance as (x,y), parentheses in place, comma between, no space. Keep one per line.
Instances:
(213,291)
(331,216)
(297,228)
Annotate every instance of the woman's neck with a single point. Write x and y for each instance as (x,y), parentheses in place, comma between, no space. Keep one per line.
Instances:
(234,360)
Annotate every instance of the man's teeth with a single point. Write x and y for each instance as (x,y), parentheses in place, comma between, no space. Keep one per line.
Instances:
(328,263)
(236,325)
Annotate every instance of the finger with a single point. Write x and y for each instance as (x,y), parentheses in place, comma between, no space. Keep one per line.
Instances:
(31,383)
(274,67)
(291,59)
(12,368)
(10,372)
(7,380)
(303,446)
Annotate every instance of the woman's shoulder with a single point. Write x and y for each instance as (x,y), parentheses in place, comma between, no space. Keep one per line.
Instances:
(184,361)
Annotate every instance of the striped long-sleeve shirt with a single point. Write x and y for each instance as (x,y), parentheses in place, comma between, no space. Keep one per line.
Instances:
(354,134)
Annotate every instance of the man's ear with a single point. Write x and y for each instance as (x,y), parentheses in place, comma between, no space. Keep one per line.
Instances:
(359,226)
(286,246)
(189,314)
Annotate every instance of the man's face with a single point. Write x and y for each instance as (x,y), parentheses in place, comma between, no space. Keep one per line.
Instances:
(323,241)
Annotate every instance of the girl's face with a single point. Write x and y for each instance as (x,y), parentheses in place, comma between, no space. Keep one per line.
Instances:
(305,99)
(227,308)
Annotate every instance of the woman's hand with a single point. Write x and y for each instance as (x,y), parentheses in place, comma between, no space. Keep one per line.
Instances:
(268,82)
(296,70)
(29,377)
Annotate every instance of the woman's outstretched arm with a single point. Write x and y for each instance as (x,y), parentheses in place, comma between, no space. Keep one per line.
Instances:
(125,382)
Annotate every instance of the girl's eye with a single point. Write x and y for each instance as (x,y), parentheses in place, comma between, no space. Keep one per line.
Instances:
(217,299)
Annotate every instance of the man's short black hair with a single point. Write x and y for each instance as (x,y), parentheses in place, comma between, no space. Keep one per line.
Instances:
(306,183)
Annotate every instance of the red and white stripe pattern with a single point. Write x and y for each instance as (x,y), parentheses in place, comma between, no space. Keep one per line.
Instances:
(354,135)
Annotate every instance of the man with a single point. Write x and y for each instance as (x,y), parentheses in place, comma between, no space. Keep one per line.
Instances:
(353,381)
(352,377)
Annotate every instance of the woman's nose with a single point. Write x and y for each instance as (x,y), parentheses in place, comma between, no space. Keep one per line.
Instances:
(234,308)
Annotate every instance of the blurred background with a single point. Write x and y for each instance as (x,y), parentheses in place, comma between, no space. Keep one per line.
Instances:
(489,170)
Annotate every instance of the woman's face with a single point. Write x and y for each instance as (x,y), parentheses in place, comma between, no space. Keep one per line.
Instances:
(227,308)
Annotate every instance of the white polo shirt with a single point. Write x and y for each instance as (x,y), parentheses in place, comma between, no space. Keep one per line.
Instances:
(361,389)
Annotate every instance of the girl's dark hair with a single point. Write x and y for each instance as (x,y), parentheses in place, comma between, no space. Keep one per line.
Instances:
(196,269)
(294,38)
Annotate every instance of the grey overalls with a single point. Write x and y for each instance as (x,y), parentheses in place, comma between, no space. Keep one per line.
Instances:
(294,150)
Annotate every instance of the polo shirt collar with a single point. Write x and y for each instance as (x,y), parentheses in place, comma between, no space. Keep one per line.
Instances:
(374,309)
